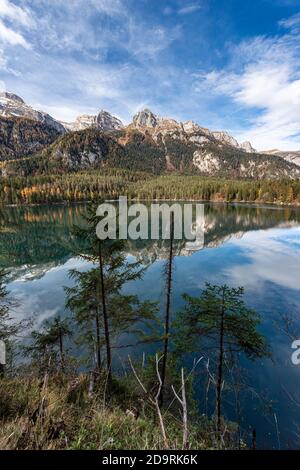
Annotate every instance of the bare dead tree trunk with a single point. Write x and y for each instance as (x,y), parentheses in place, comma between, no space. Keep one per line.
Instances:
(154,400)
(2,358)
(182,401)
(168,310)
(105,317)
(98,345)
(157,405)
(220,365)
(184,413)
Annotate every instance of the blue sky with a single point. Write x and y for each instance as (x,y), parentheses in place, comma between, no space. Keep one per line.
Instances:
(226,64)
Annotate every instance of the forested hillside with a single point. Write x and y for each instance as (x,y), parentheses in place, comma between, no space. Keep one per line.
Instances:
(20,137)
(30,148)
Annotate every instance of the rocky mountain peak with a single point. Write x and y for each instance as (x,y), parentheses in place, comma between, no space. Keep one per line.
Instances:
(145,118)
(5,97)
(185,131)
(107,122)
(81,123)
(247,147)
(225,138)
(190,127)
(12,105)
(104,121)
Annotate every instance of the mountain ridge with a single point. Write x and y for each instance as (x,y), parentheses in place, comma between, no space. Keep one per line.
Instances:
(12,105)
(131,149)
(292,156)
(149,143)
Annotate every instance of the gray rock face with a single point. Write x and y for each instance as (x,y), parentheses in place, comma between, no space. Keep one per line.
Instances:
(11,97)
(108,122)
(191,127)
(84,159)
(81,123)
(289,155)
(104,121)
(12,105)
(225,138)
(145,118)
(206,162)
(247,147)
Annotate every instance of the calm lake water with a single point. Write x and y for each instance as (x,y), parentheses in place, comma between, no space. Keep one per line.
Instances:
(254,247)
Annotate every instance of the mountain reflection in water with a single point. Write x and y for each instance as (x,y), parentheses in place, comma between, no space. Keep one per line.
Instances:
(255,247)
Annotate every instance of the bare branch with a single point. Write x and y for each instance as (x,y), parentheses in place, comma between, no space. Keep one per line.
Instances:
(137,377)
(153,400)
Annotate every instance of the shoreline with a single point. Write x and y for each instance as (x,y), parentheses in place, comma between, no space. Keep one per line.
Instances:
(259,204)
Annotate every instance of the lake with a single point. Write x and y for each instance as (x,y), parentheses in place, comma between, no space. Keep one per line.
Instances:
(252,246)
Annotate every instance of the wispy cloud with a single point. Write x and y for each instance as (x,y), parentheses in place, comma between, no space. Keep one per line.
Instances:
(75,25)
(151,41)
(189,8)
(15,13)
(12,19)
(7,35)
(77,40)
(293,23)
(264,75)
(186,9)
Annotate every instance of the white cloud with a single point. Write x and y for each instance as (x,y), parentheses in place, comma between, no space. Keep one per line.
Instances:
(184,10)
(150,41)
(119,89)
(15,13)
(94,27)
(292,23)
(69,70)
(90,54)
(11,37)
(264,76)
(83,26)
(190,8)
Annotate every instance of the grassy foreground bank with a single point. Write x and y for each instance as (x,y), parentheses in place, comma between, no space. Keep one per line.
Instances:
(60,412)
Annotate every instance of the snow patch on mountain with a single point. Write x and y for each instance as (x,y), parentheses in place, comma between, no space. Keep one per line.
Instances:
(12,105)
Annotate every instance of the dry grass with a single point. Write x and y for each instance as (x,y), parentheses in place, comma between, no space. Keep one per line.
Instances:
(63,416)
